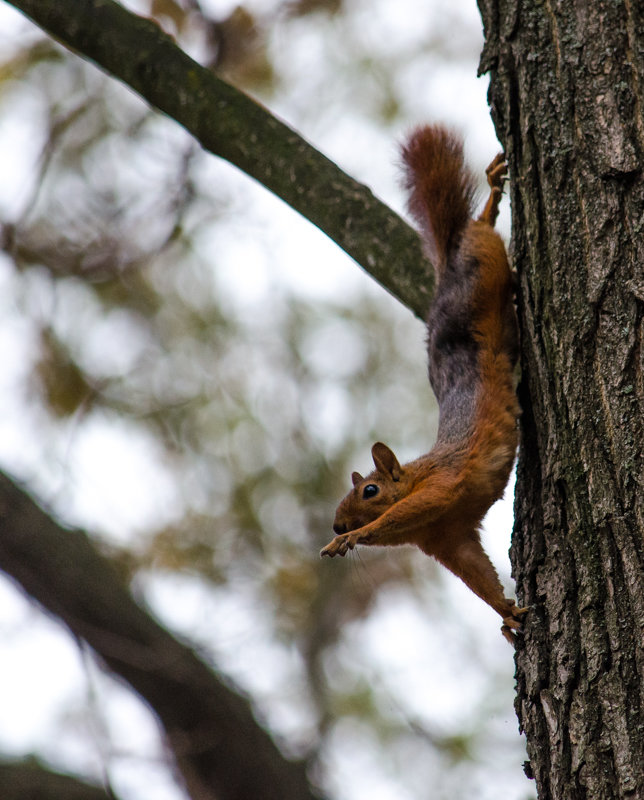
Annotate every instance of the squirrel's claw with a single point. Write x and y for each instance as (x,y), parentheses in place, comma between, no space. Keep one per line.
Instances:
(339,545)
(496,172)
(496,177)
(510,635)
(333,548)
(513,624)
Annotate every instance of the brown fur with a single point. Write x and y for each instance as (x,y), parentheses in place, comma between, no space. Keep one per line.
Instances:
(437,502)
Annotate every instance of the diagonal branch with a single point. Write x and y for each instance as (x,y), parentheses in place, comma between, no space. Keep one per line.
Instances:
(31,778)
(231,125)
(219,748)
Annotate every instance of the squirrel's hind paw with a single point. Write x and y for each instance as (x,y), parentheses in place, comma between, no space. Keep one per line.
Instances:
(513,624)
(510,634)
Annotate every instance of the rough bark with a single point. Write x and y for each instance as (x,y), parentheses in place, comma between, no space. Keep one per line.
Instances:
(221,751)
(566,93)
(229,124)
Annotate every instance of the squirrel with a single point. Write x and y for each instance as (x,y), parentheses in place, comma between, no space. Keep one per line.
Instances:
(438,501)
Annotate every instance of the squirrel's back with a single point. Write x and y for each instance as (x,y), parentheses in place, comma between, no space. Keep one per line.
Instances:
(471,326)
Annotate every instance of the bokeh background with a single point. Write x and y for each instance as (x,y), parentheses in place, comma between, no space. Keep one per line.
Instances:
(190,371)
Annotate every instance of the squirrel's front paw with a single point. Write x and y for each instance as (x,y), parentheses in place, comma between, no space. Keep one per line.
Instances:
(339,545)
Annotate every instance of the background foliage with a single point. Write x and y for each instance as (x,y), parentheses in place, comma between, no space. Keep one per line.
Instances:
(192,372)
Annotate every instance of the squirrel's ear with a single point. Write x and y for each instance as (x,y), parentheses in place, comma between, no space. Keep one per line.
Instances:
(385,460)
(356,478)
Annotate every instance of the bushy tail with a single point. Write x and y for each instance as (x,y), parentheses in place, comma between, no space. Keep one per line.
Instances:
(441,189)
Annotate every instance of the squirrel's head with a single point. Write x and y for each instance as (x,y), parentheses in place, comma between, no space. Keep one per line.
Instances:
(373,495)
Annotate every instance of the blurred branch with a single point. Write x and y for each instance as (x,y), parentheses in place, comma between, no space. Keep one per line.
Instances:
(30,778)
(220,750)
(231,125)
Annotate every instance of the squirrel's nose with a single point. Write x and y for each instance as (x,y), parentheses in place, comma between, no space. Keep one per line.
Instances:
(338,529)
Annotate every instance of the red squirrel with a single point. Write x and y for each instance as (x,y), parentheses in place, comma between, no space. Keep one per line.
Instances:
(437,501)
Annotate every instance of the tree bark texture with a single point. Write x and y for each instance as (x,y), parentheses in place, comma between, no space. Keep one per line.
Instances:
(221,751)
(567,83)
(227,123)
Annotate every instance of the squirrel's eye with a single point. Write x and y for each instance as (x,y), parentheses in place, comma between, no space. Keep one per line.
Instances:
(370,490)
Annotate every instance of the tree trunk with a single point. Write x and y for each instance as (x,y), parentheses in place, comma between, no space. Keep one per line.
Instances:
(567,95)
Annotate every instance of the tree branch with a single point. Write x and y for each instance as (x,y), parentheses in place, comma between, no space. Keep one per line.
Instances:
(231,125)
(221,751)
(30,778)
